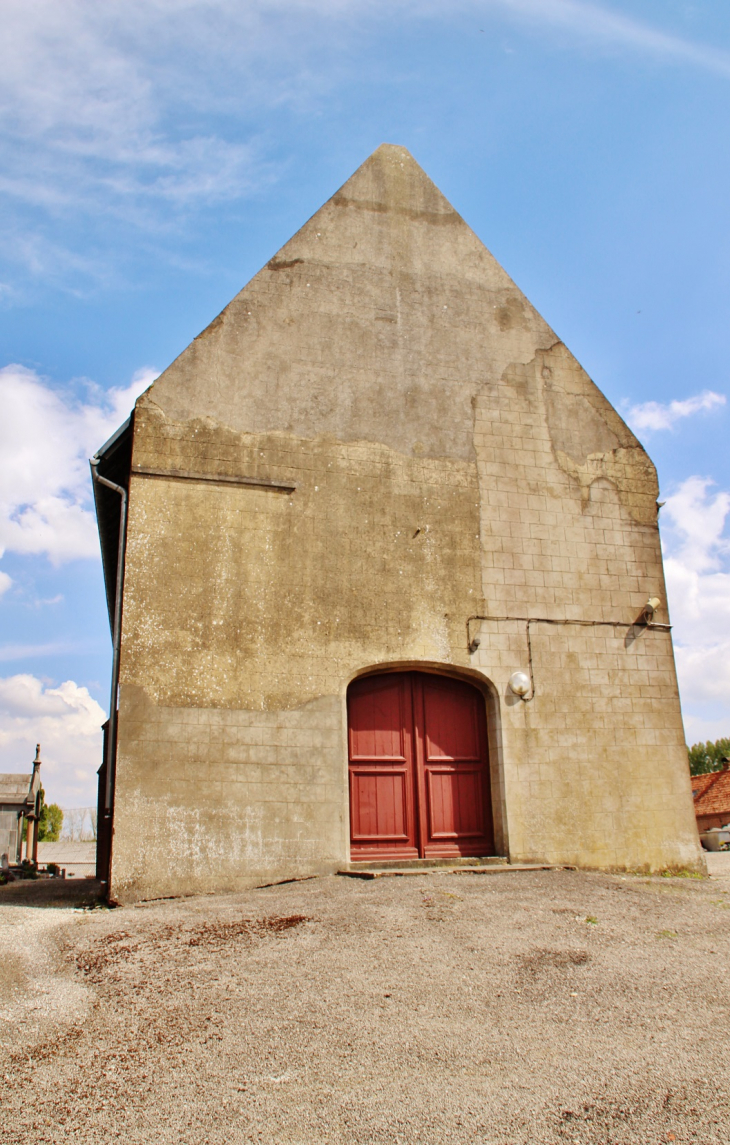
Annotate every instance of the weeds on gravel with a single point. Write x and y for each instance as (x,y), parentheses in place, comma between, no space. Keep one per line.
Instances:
(683,874)
(667,934)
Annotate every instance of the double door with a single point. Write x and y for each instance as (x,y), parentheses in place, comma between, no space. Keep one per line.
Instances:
(419,773)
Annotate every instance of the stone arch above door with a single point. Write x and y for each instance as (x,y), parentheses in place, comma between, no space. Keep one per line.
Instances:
(419,776)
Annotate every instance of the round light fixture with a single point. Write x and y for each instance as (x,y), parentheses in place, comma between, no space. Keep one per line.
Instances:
(652,604)
(519,683)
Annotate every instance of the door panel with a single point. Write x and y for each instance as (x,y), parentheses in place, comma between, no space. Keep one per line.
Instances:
(380,719)
(455,804)
(419,772)
(458,819)
(452,729)
(380,806)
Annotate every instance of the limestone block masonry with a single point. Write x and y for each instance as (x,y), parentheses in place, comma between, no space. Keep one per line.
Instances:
(433,453)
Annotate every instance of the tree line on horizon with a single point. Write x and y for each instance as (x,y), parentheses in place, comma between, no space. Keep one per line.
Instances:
(707,757)
(52,818)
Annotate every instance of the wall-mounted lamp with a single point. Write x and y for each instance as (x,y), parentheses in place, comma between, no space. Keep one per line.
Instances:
(652,604)
(519,683)
(474,644)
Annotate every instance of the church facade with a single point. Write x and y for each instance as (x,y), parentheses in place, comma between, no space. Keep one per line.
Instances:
(390,582)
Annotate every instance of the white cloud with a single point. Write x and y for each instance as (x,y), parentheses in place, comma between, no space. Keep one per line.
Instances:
(146,110)
(660,415)
(697,568)
(66,721)
(12,652)
(46,439)
(88,97)
(604,27)
(5,582)
(700,729)
(696,524)
(108,106)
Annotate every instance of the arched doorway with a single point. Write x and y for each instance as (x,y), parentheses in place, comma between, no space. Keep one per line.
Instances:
(419,768)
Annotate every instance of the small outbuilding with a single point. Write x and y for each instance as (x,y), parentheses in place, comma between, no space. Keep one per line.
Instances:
(385,580)
(20,806)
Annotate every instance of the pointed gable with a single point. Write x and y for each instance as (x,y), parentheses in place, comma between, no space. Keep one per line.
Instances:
(385,273)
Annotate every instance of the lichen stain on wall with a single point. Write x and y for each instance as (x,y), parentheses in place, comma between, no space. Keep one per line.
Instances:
(248,597)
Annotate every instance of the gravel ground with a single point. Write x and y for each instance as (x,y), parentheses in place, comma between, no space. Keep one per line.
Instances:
(523,1007)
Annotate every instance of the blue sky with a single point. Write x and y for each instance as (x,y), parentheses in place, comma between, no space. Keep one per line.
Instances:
(155,153)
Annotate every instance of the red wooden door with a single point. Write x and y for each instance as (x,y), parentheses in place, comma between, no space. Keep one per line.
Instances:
(382,787)
(419,774)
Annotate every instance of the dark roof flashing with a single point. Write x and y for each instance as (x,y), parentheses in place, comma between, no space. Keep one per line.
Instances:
(108,446)
(113,461)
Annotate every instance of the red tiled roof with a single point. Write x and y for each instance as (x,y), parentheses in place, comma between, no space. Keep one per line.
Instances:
(712,793)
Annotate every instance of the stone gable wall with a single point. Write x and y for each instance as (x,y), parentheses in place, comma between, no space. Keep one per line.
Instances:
(451,460)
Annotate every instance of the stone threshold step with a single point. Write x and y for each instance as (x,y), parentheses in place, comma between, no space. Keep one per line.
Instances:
(412,864)
(485,869)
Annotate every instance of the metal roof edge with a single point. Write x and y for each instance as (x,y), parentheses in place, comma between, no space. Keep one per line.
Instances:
(107,446)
